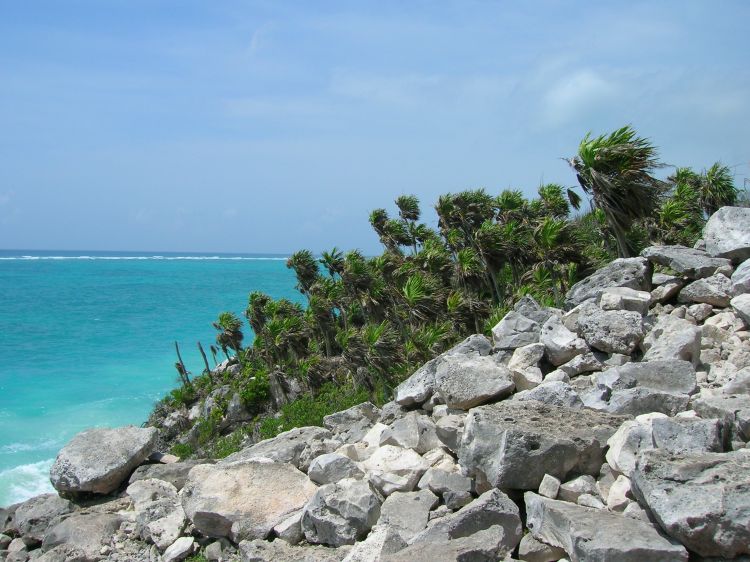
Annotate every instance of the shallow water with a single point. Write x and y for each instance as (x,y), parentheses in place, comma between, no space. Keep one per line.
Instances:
(87,339)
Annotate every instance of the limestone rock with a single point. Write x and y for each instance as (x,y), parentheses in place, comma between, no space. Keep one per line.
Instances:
(553,392)
(286,447)
(86,533)
(611,331)
(450,429)
(333,467)
(520,326)
(33,516)
(413,431)
(512,445)
(634,273)
(382,541)
(524,366)
(741,306)
(352,424)
(624,298)
(174,473)
(733,409)
(560,344)
(668,375)
(692,263)
(571,490)
(403,463)
(672,338)
(341,513)
(715,290)
(407,512)
(245,499)
(454,488)
(466,381)
(160,518)
(99,460)
(596,535)
(700,499)
(741,278)
(279,551)
(727,233)
(179,550)
(533,550)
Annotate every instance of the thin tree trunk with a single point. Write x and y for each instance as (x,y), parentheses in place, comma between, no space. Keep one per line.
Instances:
(205,359)
(182,370)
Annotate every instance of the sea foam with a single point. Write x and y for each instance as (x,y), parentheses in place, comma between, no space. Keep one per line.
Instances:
(20,483)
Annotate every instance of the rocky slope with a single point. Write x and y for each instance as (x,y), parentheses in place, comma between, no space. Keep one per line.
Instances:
(616,429)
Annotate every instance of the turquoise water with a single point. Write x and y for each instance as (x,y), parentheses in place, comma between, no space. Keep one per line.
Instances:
(86,339)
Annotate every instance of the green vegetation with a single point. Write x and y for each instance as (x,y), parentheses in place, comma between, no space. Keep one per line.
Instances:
(370,321)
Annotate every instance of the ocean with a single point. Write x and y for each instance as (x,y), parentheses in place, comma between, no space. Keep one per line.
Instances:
(87,339)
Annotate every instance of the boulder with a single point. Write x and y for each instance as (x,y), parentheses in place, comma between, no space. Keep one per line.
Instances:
(672,338)
(174,473)
(512,445)
(487,545)
(611,331)
(33,516)
(287,447)
(715,290)
(179,550)
(521,325)
(493,510)
(699,499)
(727,233)
(420,386)
(692,263)
(465,381)
(658,431)
(634,273)
(86,533)
(245,499)
(740,384)
(407,512)
(159,516)
(660,374)
(596,535)
(100,460)
(741,306)
(405,464)
(382,541)
(352,424)
(341,513)
(553,392)
(733,409)
(413,431)
(279,551)
(550,487)
(585,363)
(524,366)
(571,490)
(450,429)
(560,344)
(623,298)
(665,292)
(333,467)
(741,279)
(643,400)
(454,488)
(532,550)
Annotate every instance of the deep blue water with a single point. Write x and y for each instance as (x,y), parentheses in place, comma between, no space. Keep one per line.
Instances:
(87,339)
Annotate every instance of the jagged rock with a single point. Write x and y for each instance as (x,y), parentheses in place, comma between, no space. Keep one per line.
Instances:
(740,384)
(160,518)
(512,445)
(333,467)
(524,366)
(727,233)
(620,495)
(413,431)
(550,486)
(692,263)
(279,551)
(658,431)
(552,392)
(699,312)
(624,298)
(669,375)
(741,279)
(733,409)
(664,293)
(596,535)
(286,447)
(390,412)
(407,512)
(642,400)
(87,533)
(634,273)
(174,473)
(521,325)
(571,490)
(33,516)
(532,550)
(715,290)
(466,381)
(450,429)
(590,500)
(454,488)
(493,510)
(420,387)
(341,513)
(440,458)
(560,344)
(700,499)
(245,499)
(179,550)
(585,363)
(382,541)
(290,529)
(672,338)
(741,306)
(611,331)
(487,545)
(99,460)
(352,424)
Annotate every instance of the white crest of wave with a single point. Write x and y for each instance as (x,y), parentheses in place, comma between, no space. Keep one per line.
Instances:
(20,483)
(160,258)
(11,448)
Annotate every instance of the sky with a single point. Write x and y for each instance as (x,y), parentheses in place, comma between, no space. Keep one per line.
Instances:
(270,126)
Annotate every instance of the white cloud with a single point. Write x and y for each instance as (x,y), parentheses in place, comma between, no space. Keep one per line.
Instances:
(6,197)
(576,94)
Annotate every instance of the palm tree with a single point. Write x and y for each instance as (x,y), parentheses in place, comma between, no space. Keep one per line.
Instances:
(305,268)
(615,171)
(230,333)
(333,261)
(716,189)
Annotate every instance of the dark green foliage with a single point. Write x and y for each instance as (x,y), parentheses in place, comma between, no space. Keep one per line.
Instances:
(182,450)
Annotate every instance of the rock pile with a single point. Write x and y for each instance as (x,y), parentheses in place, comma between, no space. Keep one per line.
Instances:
(615,429)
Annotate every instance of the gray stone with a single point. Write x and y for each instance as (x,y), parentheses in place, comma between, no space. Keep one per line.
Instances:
(624,298)
(585,363)
(174,473)
(715,290)
(741,306)
(279,551)
(668,375)
(727,233)
(620,495)
(524,366)
(333,467)
(86,533)
(699,312)
(245,499)
(160,518)
(733,409)
(341,513)
(550,487)
(571,490)
(390,412)
(290,529)
(381,542)
(33,516)
(532,550)
(467,381)
(597,535)
(552,392)
(700,499)
(99,460)
(450,429)
(514,331)
(740,384)
(672,338)
(351,425)
(407,512)
(741,278)
(643,400)
(611,331)
(413,431)
(634,273)
(692,263)
(286,447)
(487,545)
(179,550)
(590,500)
(560,344)
(512,445)
(454,488)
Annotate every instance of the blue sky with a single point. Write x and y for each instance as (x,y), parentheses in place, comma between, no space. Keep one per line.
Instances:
(271,126)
